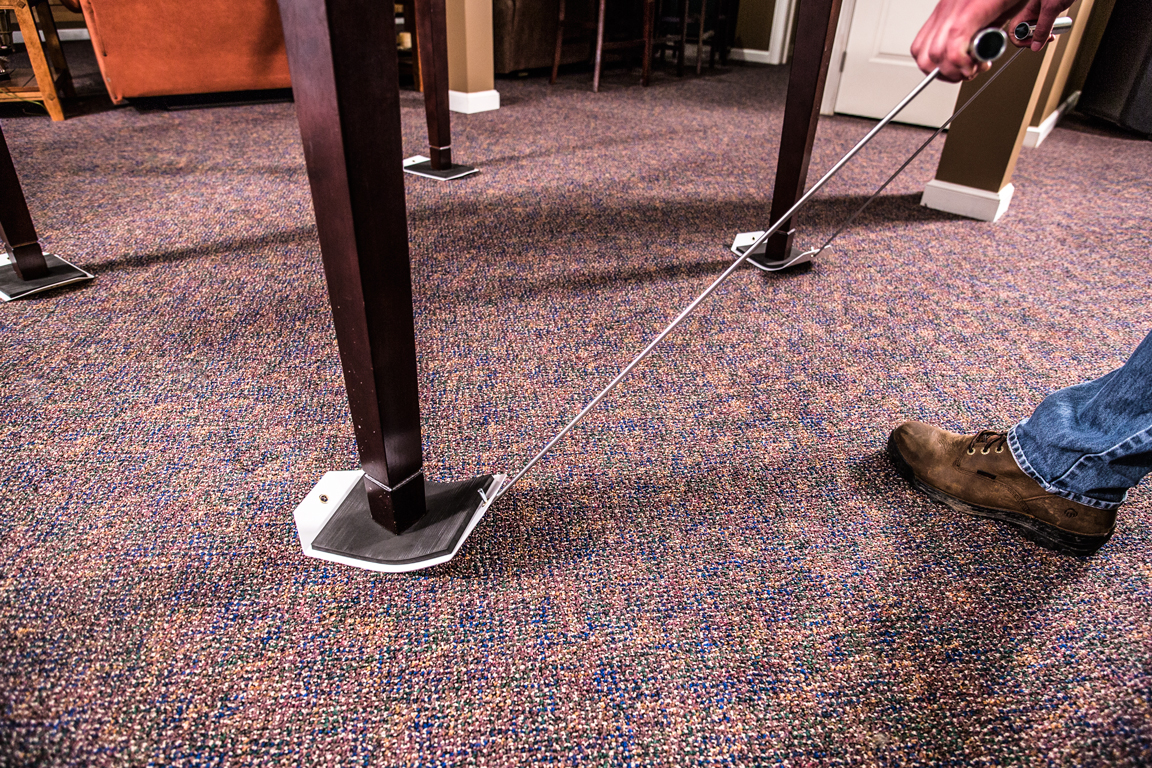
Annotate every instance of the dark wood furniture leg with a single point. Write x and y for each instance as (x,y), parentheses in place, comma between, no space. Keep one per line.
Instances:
(644,42)
(649,31)
(559,43)
(599,49)
(815,31)
(700,38)
(16,222)
(344,79)
(680,52)
(432,39)
(410,28)
(726,11)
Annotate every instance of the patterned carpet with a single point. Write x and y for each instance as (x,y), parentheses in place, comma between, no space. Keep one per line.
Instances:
(718,568)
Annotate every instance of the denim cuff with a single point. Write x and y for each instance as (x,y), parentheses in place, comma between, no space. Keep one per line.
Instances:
(1026,467)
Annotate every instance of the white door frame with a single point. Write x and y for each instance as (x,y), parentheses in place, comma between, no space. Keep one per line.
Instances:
(779,37)
(836,65)
(780,40)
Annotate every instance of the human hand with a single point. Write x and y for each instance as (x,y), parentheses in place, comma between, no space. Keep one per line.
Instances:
(944,39)
(1044,13)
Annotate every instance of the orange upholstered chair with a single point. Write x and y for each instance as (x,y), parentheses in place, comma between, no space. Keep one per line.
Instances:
(170,47)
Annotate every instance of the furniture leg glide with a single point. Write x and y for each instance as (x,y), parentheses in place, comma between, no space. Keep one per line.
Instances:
(24,267)
(334,524)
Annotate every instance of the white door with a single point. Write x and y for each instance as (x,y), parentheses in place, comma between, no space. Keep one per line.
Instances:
(878,70)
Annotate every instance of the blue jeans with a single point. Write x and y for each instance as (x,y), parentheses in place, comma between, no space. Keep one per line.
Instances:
(1092,442)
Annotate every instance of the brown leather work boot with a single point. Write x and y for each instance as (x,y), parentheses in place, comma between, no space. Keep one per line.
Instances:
(978,476)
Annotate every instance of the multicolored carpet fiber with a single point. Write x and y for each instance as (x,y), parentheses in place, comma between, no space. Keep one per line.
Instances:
(720,567)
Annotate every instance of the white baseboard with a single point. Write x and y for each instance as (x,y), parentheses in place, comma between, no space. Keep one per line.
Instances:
(1036,134)
(780,35)
(753,55)
(471,103)
(65,34)
(967,201)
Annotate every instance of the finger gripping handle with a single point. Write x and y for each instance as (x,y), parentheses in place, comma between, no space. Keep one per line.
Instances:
(1024,29)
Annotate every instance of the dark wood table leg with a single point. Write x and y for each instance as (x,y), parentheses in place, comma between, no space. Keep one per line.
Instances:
(815,32)
(432,39)
(599,48)
(680,52)
(344,78)
(700,38)
(410,28)
(559,43)
(649,31)
(16,222)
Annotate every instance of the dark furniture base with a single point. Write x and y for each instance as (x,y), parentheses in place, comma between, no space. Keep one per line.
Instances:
(424,168)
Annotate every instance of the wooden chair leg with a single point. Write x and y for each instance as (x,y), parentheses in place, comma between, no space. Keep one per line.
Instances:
(663,48)
(55,54)
(44,79)
(664,41)
(700,38)
(719,34)
(649,29)
(599,49)
(559,44)
(412,28)
(730,9)
(683,40)
(717,38)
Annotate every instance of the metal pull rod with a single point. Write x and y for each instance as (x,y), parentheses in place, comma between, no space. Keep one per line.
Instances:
(987,45)
(848,222)
(1022,32)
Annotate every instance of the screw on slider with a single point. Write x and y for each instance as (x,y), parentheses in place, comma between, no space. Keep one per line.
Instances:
(1024,30)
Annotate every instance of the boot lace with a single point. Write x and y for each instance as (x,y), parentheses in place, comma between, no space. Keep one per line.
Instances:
(988,440)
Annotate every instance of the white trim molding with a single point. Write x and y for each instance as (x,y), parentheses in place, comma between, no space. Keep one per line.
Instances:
(752,55)
(780,38)
(471,103)
(65,35)
(1036,134)
(967,201)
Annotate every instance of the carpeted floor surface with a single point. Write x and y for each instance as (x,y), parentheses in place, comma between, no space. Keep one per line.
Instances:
(719,568)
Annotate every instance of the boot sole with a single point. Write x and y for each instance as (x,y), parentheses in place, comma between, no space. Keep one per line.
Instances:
(1048,536)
